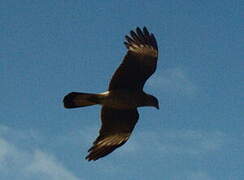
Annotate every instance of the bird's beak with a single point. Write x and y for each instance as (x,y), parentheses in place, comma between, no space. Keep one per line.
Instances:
(157,106)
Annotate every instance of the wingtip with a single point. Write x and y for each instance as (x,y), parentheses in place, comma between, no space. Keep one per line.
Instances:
(89,159)
(140,36)
(138,30)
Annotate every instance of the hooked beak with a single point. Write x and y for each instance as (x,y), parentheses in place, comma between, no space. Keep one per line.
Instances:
(157,106)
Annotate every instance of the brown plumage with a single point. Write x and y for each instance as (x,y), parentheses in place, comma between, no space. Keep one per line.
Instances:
(125,94)
(117,125)
(139,63)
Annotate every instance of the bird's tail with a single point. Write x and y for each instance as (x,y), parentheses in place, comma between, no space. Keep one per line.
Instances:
(76,99)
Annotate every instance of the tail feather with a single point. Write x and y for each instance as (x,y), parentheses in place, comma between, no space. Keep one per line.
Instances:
(75,100)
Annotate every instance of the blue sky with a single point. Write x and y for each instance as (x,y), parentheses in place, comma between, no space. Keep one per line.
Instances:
(50,48)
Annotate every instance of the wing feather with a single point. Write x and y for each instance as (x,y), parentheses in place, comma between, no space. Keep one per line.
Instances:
(141,36)
(116,129)
(129,40)
(139,63)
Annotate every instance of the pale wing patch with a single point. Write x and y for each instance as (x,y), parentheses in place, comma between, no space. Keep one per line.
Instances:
(106,145)
(105,93)
(113,140)
(142,42)
(143,50)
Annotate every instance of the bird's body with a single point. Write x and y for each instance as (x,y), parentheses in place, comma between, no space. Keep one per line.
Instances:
(117,99)
(125,94)
(124,99)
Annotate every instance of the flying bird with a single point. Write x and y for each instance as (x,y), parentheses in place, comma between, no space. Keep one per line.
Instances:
(125,94)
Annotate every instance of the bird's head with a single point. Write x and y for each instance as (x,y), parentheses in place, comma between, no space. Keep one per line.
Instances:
(152,101)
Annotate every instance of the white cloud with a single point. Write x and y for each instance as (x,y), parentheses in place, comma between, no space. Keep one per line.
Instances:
(46,165)
(16,162)
(192,175)
(193,142)
(174,80)
(198,175)
(178,142)
(3,150)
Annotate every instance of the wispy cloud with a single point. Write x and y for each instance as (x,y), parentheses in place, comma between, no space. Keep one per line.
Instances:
(16,162)
(4,149)
(174,80)
(193,142)
(192,175)
(189,142)
(46,165)
(198,175)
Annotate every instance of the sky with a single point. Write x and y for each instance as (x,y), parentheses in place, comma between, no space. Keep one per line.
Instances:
(50,48)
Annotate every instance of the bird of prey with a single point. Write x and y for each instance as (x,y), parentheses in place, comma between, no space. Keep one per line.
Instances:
(125,94)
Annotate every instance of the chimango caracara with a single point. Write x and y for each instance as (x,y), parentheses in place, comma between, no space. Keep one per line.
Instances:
(125,94)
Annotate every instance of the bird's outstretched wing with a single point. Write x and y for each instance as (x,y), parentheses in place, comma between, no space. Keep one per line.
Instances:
(117,126)
(139,63)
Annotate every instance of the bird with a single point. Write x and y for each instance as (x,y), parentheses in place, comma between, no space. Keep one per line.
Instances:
(125,94)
